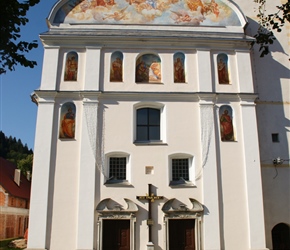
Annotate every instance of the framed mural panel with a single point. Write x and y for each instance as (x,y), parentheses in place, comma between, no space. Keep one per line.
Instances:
(67,121)
(223,69)
(178,68)
(226,123)
(148,69)
(116,72)
(71,67)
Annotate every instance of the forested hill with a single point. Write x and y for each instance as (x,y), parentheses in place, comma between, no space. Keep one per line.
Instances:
(13,150)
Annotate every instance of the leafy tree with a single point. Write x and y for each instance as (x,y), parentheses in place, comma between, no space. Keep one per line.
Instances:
(13,150)
(269,23)
(12,49)
(25,164)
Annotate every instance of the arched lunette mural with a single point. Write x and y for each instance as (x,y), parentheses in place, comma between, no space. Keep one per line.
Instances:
(159,12)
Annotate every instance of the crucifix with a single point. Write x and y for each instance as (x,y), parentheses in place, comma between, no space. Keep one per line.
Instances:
(151,197)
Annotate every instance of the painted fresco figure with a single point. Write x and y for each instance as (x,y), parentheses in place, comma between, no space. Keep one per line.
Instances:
(226,126)
(154,72)
(179,74)
(68,122)
(71,67)
(117,67)
(223,74)
(148,69)
(142,72)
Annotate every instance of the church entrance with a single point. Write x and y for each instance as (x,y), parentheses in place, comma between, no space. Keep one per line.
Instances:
(116,234)
(181,234)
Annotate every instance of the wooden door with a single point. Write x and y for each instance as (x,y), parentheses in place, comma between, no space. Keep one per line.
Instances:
(116,234)
(181,234)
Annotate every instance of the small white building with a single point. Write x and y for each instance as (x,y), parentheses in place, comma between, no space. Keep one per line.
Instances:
(157,128)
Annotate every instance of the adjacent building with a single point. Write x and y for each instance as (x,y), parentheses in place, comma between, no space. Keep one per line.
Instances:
(14,201)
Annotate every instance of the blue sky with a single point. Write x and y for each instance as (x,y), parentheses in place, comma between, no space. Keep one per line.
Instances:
(17,112)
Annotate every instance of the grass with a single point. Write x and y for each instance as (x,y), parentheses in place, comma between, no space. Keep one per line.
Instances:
(4,244)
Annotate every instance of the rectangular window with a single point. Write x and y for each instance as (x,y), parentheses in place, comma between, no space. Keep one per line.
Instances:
(118,168)
(148,124)
(275,137)
(180,169)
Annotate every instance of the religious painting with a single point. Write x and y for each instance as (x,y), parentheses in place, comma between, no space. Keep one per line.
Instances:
(153,12)
(178,69)
(226,123)
(222,66)
(71,67)
(148,69)
(67,121)
(116,72)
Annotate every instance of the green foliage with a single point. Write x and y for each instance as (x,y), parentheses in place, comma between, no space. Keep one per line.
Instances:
(269,23)
(13,150)
(12,49)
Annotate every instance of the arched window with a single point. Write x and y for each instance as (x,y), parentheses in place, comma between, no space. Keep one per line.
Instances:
(223,71)
(281,237)
(148,69)
(116,72)
(226,123)
(148,124)
(71,67)
(67,121)
(178,67)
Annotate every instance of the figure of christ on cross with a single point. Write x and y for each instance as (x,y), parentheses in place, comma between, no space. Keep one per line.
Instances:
(151,197)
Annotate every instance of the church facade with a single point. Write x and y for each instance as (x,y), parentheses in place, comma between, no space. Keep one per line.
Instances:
(155,129)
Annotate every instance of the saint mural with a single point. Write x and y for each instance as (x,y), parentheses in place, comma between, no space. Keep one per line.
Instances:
(148,69)
(116,74)
(67,122)
(179,73)
(222,65)
(71,67)
(159,12)
(226,123)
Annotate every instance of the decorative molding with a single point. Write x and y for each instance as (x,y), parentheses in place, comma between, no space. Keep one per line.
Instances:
(176,209)
(109,208)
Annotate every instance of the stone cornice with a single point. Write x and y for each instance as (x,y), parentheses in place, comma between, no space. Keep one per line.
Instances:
(135,38)
(94,96)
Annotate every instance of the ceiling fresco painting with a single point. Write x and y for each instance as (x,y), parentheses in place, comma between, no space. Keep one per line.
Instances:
(153,12)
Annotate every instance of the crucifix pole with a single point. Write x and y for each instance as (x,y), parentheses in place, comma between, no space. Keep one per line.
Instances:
(149,214)
(150,197)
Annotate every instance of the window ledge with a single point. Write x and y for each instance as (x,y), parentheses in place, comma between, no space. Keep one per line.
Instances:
(144,143)
(117,183)
(181,184)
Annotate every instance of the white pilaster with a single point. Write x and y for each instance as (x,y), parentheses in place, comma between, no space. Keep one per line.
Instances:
(93,69)
(211,228)
(204,71)
(244,68)
(41,173)
(49,68)
(253,175)
(87,175)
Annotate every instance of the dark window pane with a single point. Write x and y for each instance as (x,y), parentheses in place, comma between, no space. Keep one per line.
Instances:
(118,168)
(154,133)
(142,116)
(154,117)
(142,133)
(180,169)
(148,124)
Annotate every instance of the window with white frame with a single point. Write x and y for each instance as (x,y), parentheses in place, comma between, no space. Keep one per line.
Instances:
(149,123)
(117,168)
(181,170)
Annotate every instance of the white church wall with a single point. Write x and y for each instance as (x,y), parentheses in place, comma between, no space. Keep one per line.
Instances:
(227,183)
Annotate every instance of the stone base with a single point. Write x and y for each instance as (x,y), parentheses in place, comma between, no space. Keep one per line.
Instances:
(150,246)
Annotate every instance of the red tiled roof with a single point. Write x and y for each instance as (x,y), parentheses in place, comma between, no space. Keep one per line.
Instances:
(7,181)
